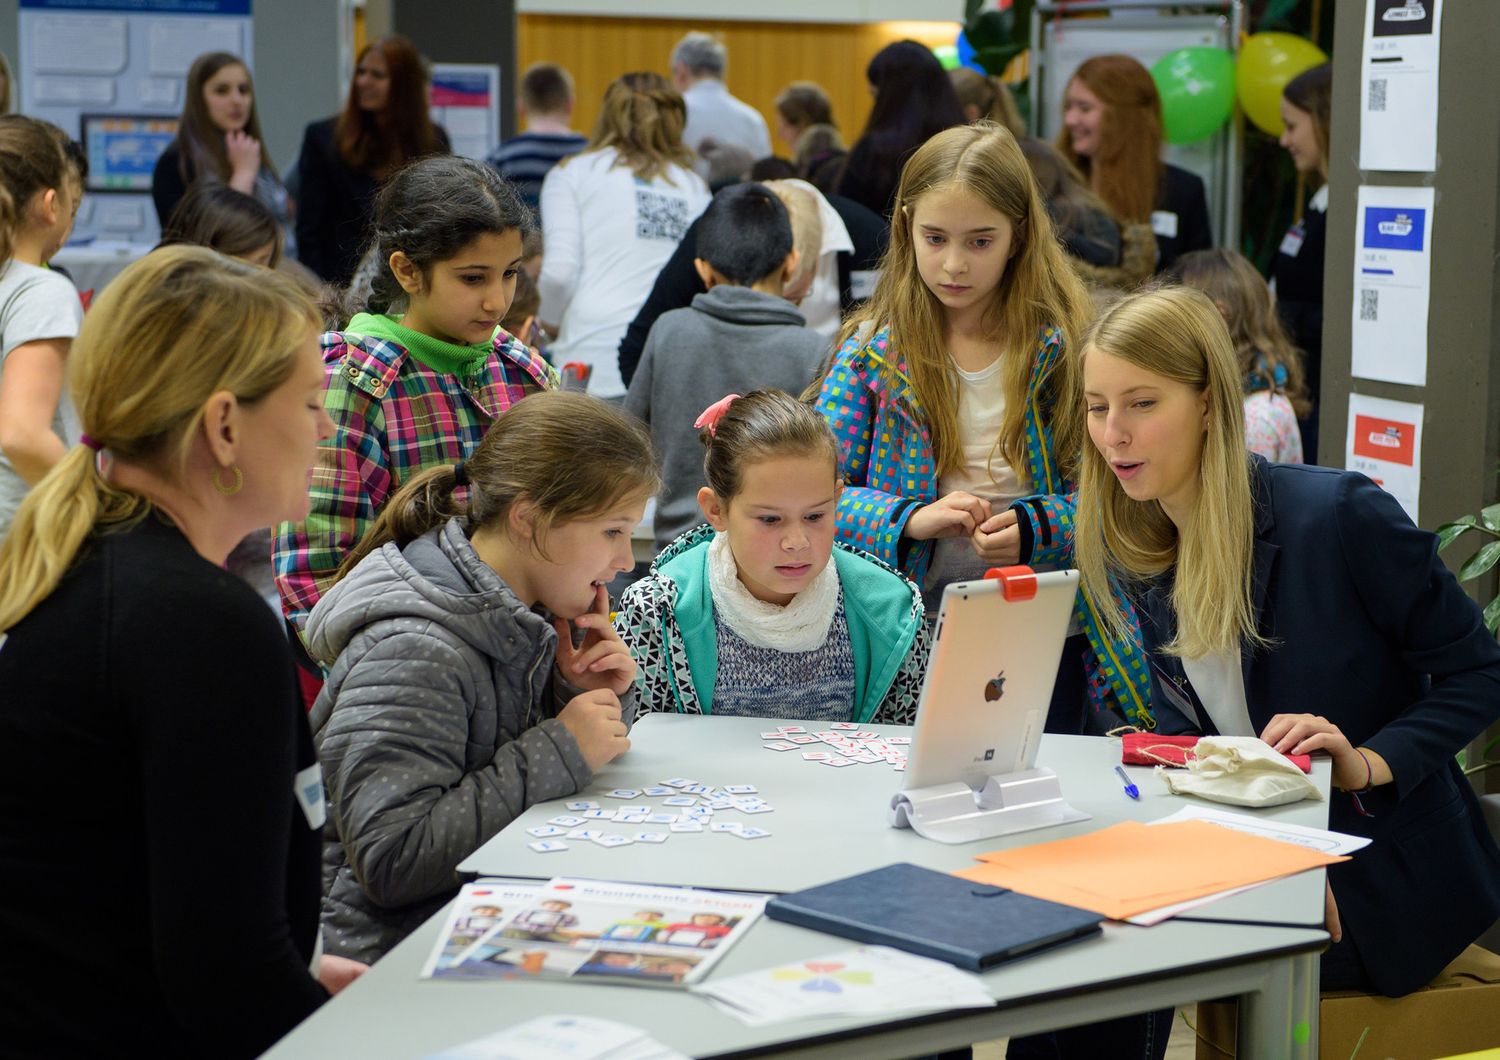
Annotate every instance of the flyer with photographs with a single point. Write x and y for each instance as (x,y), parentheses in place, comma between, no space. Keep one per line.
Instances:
(480,906)
(593,931)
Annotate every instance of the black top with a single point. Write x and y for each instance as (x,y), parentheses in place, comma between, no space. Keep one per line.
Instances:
(1298,271)
(872,171)
(159,884)
(167,185)
(335,204)
(1183,197)
(678,282)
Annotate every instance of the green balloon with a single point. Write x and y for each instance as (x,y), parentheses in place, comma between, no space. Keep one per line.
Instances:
(947,54)
(1197,92)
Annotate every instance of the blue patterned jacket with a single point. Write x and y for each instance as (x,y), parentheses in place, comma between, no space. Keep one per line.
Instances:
(889,466)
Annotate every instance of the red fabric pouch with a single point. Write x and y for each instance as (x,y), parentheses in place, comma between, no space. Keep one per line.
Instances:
(1149,749)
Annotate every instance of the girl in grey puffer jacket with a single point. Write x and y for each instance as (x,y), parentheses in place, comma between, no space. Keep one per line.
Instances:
(455,696)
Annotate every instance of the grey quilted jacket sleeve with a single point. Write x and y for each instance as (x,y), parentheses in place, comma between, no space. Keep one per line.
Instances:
(426,757)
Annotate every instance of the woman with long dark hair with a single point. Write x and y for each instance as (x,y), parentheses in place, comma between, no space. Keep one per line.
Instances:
(913,100)
(218,140)
(345,159)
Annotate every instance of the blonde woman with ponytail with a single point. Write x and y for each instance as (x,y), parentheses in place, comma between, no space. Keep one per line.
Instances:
(1298,604)
(453,702)
(149,695)
(611,217)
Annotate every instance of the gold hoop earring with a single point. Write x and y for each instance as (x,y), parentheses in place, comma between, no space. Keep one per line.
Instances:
(239,481)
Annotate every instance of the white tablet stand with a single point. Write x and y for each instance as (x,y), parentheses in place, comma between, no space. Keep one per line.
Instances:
(1008,803)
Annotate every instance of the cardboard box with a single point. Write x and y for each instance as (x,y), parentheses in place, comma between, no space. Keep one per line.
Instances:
(1457,1012)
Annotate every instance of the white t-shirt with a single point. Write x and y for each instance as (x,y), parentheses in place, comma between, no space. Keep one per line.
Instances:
(1220,684)
(606,235)
(984,472)
(35,303)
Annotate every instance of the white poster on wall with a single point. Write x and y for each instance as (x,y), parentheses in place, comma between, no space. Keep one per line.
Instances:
(466,102)
(1392,284)
(1399,82)
(1385,443)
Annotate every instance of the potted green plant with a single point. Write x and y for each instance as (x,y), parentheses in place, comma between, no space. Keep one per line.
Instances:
(1487,525)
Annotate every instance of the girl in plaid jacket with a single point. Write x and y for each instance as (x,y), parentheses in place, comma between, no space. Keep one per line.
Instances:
(949,400)
(417,380)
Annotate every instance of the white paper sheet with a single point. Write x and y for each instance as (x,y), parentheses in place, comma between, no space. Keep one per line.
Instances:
(572,1037)
(868,979)
(1399,85)
(173,43)
(77,44)
(59,91)
(1392,284)
(1385,443)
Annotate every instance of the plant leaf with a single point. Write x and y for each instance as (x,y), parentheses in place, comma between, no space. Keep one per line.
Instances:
(1480,562)
(1490,517)
(1492,615)
(971,8)
(1450,532)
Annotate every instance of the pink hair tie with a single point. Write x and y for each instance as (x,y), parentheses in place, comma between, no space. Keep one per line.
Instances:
(711,416)
(90,442)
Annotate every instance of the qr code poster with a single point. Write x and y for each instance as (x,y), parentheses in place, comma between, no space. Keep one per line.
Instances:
(1392,284)
(1385,443)
(1399,74)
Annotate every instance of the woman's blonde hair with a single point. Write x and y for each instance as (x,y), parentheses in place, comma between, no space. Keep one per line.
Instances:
(1260,343)
(642,119)
(1037,291)
(1176,333)
(573,456)
(172,330)
(1126,171)
(807,225)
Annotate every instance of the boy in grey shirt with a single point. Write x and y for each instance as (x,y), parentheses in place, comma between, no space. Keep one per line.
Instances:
(739,335)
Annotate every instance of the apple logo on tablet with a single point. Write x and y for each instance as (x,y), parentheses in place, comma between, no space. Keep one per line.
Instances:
(995,687)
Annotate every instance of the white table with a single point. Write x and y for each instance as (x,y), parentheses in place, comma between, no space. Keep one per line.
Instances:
(94,265)
(830,823)
(390,1014)
(1261,946)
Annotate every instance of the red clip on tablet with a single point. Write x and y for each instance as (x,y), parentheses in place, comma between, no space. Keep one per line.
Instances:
(1017,583)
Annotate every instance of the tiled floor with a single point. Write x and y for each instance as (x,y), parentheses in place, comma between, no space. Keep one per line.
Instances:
(1181,1046)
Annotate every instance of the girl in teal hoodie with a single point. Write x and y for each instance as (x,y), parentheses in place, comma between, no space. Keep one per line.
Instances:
(747,615)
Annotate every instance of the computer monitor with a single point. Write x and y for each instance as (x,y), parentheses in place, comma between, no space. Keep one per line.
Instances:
(122,149)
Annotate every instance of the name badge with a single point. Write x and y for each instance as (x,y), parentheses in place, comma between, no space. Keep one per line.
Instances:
(308,788)
(1164,223)
(862,283)
(1291,243)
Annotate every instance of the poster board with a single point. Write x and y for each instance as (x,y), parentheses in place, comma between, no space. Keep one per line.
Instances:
(466,102)
(126,61)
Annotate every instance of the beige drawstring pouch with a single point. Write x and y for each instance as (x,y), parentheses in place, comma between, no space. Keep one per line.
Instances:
(1241,771)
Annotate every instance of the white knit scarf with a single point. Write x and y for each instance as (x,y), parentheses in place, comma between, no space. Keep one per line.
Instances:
(801,626)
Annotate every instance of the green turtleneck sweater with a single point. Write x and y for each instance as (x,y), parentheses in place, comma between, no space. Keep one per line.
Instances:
(450,358)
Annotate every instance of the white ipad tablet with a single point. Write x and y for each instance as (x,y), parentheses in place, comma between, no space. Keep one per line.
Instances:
(989,680)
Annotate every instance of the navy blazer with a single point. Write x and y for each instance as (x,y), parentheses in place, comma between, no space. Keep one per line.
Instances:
(1372,632)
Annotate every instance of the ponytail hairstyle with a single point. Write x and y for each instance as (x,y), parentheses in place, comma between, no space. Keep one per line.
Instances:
(761,425)
(1266,356)
(573,456)
(1126,171)
(229,221)
(33,160)
(200,142)
(989,96)
(430,210)
(1038,291)
(1177,333)
(140,378)
(382,142)
(642,119)
(1312,91)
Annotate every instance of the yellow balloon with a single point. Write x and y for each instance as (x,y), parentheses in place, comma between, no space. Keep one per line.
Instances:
(1266,62)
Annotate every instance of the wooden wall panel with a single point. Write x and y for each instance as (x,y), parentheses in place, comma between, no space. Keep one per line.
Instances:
(763,57)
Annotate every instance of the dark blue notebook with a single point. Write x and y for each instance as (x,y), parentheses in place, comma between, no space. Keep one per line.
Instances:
(971,925)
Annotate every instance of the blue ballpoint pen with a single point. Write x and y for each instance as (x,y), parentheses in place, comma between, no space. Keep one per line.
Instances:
(1130,789)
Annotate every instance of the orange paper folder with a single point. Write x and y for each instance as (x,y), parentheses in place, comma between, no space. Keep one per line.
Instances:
(1131,868)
